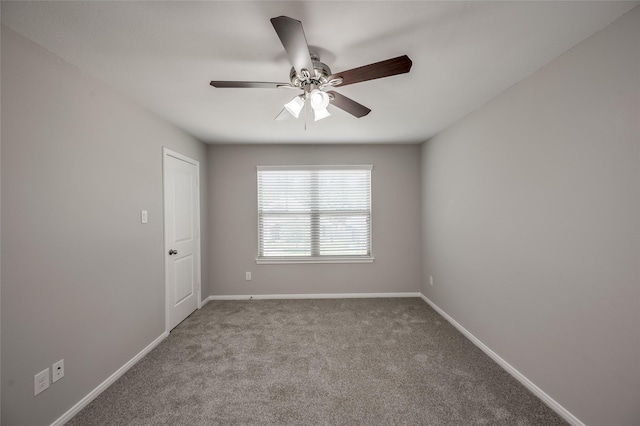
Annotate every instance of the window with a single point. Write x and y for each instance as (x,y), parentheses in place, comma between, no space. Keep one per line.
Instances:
(314,214)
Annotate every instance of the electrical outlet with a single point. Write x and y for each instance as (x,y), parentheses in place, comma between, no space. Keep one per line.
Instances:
(430,280)
(247,276)
(57,370)
(40,381)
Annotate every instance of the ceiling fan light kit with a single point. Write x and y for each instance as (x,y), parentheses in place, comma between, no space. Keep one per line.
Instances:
(312,76)
(320,114)
(295,106)
(319,101)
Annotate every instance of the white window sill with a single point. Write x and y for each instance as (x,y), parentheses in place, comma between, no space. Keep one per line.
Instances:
(289,260)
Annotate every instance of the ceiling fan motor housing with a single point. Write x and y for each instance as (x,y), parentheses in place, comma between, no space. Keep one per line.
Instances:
(317,77)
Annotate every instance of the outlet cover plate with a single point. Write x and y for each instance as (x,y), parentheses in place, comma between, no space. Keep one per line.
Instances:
(57,370)
(40,381)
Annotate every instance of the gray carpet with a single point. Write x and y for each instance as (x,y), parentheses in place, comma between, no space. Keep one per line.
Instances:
(316,362)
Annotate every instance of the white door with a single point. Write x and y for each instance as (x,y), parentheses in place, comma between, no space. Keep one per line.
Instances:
(182,237)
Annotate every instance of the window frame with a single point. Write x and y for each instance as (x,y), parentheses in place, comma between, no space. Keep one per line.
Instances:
(315,258)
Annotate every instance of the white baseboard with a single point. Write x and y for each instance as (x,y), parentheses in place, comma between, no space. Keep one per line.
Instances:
(104,385)
(552,403)
(313,296)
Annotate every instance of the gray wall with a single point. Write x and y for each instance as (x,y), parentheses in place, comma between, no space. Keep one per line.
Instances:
(531,210)
(82,279)
(233,222)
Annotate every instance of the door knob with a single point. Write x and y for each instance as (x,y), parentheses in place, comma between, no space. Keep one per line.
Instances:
(172,251)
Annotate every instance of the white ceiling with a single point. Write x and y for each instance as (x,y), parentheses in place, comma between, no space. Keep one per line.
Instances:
(163,55)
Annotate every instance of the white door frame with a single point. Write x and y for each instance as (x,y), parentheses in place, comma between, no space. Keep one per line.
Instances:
(169,153)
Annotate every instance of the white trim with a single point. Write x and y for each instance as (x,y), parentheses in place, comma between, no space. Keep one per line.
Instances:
(552,403)
(318,167)
(104,385)
(313,296)
(166,152)
(327,259)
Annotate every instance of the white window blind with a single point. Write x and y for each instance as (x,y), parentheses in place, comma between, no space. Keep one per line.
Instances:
(314,213)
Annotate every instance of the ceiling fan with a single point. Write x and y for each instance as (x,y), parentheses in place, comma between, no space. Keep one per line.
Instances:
(314,77)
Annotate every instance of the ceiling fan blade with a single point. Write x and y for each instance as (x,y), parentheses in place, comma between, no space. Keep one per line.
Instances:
(294,42)
(348,105)
(394,66)
(250,85)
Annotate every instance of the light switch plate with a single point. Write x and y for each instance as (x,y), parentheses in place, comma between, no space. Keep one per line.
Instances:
(144,216)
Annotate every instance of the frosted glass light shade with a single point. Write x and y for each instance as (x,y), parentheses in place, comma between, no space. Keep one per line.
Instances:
(319,102)
(319,99)
(319,114)
(295,106)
